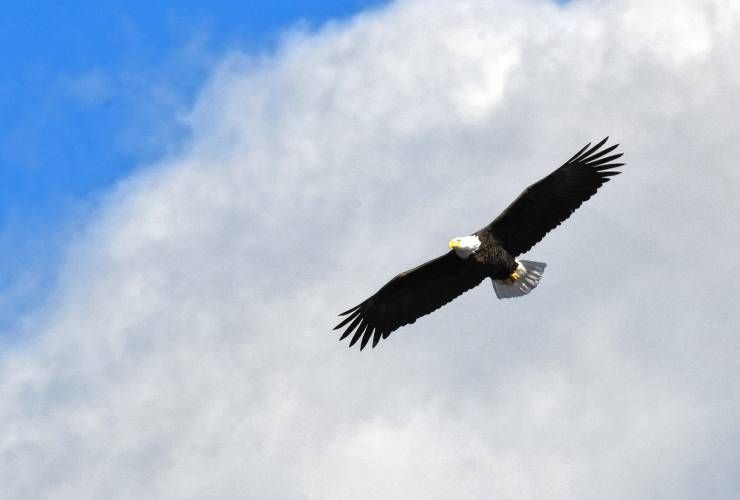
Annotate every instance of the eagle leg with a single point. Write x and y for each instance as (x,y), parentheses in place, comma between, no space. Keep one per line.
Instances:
(512,278)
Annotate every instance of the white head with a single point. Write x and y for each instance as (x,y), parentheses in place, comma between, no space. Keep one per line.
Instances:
(464,246)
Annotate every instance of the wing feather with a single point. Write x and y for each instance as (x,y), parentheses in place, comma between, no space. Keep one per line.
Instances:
(548,202)
(363,326)
(351,327)
(409,296)
(347,319)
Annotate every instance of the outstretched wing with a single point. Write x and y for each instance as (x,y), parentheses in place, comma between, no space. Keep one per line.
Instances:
(407,297)
(547,203)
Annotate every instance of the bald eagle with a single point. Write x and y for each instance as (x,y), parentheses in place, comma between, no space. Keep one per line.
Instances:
(488,253)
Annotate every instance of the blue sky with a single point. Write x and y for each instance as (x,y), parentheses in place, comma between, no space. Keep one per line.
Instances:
(188,338)
(90,91)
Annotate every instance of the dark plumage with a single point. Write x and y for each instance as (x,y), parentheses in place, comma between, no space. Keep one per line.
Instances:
(538,210)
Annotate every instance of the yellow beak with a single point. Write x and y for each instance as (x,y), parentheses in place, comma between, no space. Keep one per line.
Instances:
(454,244)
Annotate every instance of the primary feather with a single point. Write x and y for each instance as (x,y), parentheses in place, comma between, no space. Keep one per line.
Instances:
(546,203)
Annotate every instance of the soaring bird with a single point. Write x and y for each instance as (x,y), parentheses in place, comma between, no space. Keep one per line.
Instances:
(488,253)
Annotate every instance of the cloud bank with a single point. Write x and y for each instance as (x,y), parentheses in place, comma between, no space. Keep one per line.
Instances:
(188,351)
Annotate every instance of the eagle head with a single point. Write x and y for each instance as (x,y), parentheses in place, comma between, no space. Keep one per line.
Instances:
(464,246)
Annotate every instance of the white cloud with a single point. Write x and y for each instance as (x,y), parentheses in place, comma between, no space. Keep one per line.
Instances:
(188,352)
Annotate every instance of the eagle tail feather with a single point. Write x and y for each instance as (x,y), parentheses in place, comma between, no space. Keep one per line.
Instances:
(530,273)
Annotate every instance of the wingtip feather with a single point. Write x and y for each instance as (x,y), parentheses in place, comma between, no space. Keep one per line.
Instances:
(351,327)
(347,320)
(366,337)
(593,149)
(350,310)
(363,326)
(376,337)
(573,158)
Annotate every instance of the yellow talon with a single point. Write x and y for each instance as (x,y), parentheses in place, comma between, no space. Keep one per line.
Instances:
(512,278)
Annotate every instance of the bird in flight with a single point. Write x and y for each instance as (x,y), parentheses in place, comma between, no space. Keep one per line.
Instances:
(488,253)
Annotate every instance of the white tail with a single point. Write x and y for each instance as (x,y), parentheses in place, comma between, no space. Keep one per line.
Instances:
(529,272)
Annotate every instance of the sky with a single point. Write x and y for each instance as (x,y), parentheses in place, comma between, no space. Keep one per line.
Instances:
(180,344)
(89,99)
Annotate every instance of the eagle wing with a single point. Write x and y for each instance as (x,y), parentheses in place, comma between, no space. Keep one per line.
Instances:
(407,297)
(547,203)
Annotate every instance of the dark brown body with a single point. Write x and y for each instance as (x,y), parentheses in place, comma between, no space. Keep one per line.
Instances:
(492,258)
